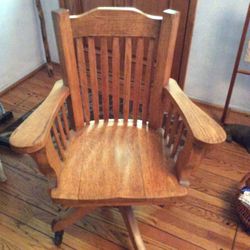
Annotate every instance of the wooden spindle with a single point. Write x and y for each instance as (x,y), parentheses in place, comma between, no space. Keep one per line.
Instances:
(93,77)
(147,81)
(173,129)
(168,122)
(105,78)
(116,76)
(138,78)
(177,139)
(83,77)
(65,121)
(61,131)
(127,77)
(58,142)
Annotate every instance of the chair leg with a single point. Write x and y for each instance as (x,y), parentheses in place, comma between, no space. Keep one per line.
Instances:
(3,177)
(132,226)
(67,218)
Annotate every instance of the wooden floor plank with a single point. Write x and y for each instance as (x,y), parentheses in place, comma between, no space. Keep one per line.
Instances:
(22,236)
(205,219)
(40,220)
(242,240)
(34,192)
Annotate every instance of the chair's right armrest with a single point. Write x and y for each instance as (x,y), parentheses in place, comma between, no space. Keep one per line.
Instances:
(189,130)
(204,129)
(32,135)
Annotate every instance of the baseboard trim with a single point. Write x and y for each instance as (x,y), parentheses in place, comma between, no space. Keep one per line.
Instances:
(219,107)
(56,63)
(22,79)
(197,101)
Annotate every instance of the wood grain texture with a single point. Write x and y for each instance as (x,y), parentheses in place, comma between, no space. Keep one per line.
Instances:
(112,19)
(147,80)
(177,139)
(203,128)
(81,62)
(116,76)
(20,100)
(120,162)
(134,157)
(105,78)
(130,221)
(58,141)
(173,129)
(204,219)
(93,77)
(65,121)
(155,7)
(49,160)
(68,63)
(138,78)
(165,52)
(127,77)
(61,131)
(190,21)
(236,68)
(189,159)
(69,217)
(40,12)
(169,119)
(32,134)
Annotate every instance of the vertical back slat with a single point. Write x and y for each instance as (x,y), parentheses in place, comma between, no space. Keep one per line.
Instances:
(138,78)
(116,76)
(93,77)
(83,28)
(83,77)
(65,121)
(149,64)
(127,77)
(105,78)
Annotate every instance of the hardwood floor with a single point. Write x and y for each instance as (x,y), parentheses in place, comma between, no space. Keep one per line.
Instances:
(205,219)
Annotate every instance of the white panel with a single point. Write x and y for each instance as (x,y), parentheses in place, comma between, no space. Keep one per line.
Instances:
(48,6)
(216,38)
(21,48)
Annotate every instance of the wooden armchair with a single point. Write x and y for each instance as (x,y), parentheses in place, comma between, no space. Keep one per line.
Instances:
(118,58)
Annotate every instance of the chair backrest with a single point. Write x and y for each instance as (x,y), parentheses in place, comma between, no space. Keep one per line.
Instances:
(116,62)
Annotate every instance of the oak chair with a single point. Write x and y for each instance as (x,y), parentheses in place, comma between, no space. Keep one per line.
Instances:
(116,131)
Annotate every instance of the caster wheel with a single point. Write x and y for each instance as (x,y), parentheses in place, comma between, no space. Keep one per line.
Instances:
(58,238)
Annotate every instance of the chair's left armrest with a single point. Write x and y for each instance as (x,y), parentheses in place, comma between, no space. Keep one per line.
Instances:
(33,133)
(201,131)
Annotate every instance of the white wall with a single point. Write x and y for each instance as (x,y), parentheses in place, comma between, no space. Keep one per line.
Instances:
(21,48)
(216,37)
(48,6)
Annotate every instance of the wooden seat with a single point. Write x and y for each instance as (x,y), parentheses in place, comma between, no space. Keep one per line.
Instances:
(145,148)
(135,159)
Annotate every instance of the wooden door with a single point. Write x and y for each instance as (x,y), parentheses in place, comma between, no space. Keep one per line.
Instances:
(154,7)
